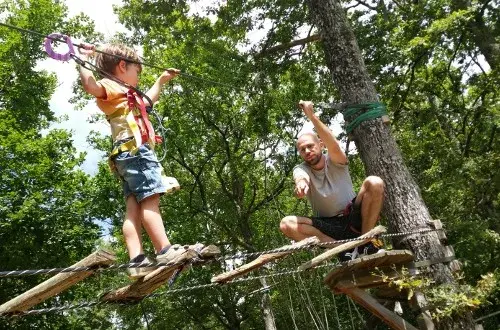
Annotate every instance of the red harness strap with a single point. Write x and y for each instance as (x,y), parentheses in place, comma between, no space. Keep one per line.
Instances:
(147,130)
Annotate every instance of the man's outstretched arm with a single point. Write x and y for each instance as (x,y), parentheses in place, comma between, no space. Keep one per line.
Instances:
(301,179)
(335,153)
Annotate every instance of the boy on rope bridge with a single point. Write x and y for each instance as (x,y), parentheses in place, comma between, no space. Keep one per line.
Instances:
(338,213)
(132,156)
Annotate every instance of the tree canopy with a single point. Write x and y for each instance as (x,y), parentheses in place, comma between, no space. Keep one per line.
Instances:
(231,124)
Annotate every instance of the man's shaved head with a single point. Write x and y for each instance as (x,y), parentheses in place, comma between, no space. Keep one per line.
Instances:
(308,135)
(309,147)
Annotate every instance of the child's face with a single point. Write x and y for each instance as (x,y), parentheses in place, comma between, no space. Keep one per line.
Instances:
(129,73)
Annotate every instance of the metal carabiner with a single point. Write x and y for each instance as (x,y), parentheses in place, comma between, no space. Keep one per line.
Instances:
(52,53)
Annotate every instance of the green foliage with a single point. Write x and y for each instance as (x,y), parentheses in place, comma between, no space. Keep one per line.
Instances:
(231,146)
(45,197)
(445,300)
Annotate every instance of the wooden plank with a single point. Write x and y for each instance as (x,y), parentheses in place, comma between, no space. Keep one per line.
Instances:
(147,284)
(368,278)
(155,279)
(341,248)
(381,259)
(57,283)
(386,120)
(261,260)
(437,224)
(373,306)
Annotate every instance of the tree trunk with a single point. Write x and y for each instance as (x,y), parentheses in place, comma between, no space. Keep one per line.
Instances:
(403,207)
(265,306)
(483,36)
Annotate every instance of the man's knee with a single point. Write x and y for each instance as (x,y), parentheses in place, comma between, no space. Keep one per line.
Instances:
(287,222)
(374,184)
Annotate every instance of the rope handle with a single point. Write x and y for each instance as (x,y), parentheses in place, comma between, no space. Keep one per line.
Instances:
(52,53)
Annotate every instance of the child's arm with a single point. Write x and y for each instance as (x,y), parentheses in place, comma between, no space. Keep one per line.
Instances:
(90,85)
(154,91)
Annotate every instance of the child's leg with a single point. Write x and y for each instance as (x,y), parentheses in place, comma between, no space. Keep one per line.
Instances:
(151,219)
(132,228)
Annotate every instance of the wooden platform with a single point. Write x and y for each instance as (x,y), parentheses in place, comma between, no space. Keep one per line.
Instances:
(262,260)
(358,272)
(57,283)
(353,277)
(152,281)
(365,238)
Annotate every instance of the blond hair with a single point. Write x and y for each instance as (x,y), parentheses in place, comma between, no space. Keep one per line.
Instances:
(111,56)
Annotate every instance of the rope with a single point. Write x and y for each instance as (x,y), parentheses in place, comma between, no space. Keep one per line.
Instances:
(12,273)
(145,315)
(325,244)
(187,75)
(374,110)
(88,304)
(27,272)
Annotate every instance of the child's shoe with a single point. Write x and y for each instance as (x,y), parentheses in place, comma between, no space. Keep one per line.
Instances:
(175,253)
(139,272)
(171,183)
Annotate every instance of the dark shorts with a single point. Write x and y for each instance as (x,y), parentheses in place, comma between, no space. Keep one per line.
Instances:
(341,226)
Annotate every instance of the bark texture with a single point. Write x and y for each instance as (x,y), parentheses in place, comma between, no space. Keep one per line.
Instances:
(403,207)
(265,305)
(483,35)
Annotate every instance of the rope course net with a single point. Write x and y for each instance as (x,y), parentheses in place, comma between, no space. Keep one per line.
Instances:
(89,304)
(29,272)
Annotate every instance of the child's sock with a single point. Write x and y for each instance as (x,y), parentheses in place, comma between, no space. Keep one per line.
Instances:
(164,250)
(139,258)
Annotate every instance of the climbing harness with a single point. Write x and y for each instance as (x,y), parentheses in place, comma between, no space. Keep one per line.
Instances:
(135,114)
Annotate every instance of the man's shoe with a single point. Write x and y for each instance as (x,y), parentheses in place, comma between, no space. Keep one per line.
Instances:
(372,247)
(139,272)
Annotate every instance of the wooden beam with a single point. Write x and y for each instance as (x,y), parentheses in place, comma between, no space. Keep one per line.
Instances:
(343,247)
(373,306)
(261,260)
(424,317)
(57,283)
(149,283)
(437,224)
(386,120)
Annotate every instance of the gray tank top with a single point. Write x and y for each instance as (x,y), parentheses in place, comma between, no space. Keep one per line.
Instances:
(330,189)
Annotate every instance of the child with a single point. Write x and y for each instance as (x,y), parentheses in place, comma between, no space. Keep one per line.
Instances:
(132,156)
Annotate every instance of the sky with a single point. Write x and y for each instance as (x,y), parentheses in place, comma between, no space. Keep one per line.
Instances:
(106,22)
(101,11)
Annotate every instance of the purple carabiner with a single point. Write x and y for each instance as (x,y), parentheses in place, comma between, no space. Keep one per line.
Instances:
(52,53)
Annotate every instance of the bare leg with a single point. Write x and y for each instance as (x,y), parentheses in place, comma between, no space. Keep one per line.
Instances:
(132,228)
(299,228)
(371,195)
(151,219)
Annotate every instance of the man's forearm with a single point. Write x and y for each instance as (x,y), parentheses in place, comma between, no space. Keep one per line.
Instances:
(329,139)
(323,131)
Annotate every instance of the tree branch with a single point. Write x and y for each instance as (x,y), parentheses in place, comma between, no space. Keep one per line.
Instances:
(286,46)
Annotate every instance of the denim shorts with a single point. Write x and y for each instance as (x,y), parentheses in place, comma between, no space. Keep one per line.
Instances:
(140,173)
